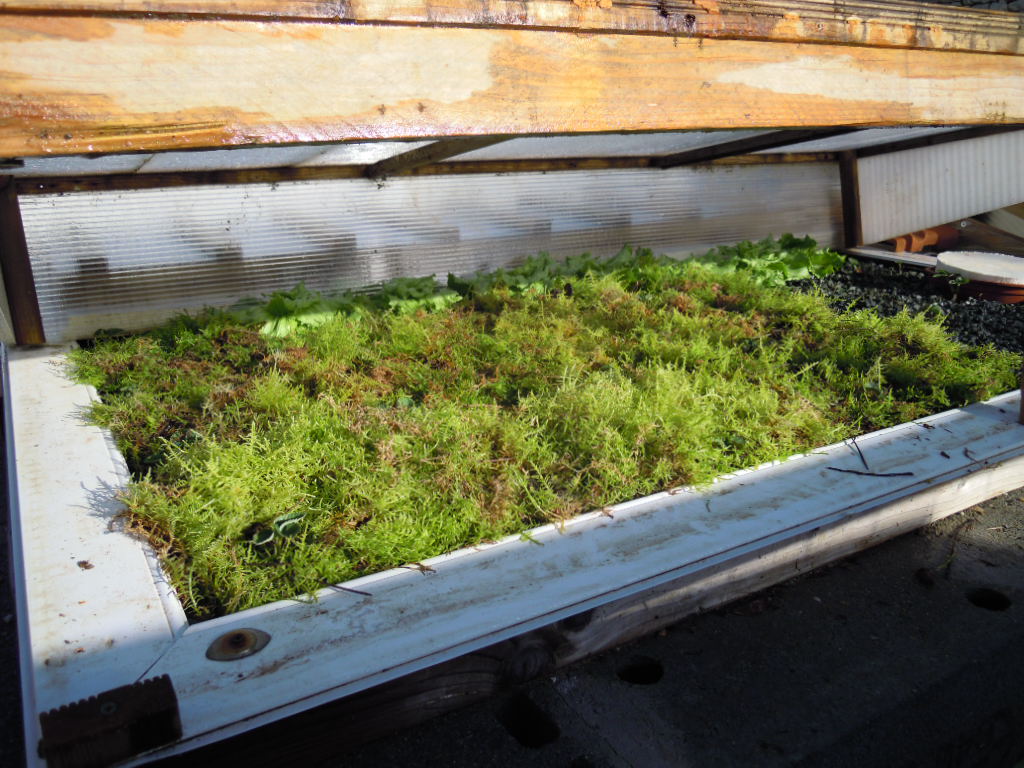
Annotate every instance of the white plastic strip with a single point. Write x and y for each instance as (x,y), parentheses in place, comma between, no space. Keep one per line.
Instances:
(401,621)
(93,611)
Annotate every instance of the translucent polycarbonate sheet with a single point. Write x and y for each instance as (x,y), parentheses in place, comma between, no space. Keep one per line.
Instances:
(76,165)
(237,158)
(906,191)
(604,145)
(362,153)
(130,259)
(228,159)
(870,137)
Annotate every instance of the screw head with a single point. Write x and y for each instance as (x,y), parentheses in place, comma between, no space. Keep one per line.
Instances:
(237,644)
(108,707)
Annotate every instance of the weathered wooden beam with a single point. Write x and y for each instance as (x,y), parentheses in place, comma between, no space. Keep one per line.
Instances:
(75,85)
(771,140)
(849,184)
(432,153)
(17,269)
(899,23)
(45,185)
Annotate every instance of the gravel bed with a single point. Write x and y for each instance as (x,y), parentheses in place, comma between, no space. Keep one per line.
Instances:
(889,288)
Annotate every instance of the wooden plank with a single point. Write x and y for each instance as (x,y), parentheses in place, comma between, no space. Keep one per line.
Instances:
(743,146)
(75,86)
(432,153)
(45,185)
(476,676)
(898,23)
(17,269)
(849,184)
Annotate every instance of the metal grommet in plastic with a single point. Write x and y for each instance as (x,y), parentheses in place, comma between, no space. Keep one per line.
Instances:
(237,644)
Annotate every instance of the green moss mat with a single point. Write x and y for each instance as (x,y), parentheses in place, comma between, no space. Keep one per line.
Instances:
(269,467)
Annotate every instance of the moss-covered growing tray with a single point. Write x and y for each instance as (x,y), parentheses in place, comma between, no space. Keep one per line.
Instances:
(302,442)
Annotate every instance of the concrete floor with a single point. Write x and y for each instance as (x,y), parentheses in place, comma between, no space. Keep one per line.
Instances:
(910,654)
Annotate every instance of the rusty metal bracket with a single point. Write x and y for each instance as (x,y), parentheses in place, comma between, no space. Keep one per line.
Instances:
(111,726)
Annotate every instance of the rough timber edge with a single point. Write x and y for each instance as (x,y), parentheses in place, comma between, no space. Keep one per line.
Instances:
(882,23)
(992,465)
(79,85)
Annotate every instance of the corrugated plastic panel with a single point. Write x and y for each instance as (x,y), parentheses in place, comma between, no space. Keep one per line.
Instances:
(604,145)
(906,191)
(130,259)
(870,137)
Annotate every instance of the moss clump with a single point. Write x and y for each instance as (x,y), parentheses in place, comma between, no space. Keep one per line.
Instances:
(266,467)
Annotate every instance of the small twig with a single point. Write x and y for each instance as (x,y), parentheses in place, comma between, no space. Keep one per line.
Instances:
(871,474)
(861,454)
(418,567)
(340,588)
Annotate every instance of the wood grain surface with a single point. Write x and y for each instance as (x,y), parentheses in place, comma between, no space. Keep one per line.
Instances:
(859,22)
(83,85)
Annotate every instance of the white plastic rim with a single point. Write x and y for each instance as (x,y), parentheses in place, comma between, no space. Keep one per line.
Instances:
(1001,268)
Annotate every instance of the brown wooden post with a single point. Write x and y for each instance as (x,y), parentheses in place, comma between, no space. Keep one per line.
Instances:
(849,184)
(17,270)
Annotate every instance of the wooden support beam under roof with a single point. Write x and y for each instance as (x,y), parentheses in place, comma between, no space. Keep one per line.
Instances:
(77,85)
(16,269)
(893,23)
(746,145)
(432,153)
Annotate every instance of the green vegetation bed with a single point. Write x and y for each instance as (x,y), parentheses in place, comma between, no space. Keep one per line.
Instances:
(303,442)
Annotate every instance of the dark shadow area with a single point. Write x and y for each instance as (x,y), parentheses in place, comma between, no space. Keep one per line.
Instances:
(527,723)
(989,599)
(641,670)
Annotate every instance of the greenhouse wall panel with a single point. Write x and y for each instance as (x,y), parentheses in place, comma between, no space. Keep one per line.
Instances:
(130,259)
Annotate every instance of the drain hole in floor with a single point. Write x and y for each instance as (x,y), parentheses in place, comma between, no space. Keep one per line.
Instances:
(527,723)
(989,599)
(641,670)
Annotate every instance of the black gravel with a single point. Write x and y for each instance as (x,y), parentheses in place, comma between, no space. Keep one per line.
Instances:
(889,288)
